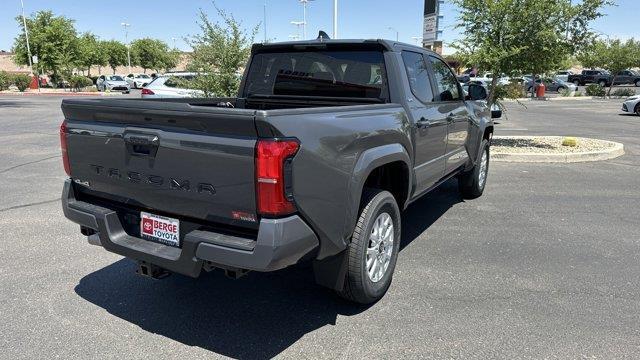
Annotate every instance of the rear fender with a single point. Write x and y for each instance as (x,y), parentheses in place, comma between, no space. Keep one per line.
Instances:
(367,162)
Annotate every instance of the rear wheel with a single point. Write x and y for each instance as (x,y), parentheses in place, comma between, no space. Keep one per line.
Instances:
(638,83)
(374,247)
(576,83)
(638,109)
(602,83)
(471,183)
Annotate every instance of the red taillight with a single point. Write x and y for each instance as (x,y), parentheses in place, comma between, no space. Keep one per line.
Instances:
(147,92)
(271,156)
(63,147)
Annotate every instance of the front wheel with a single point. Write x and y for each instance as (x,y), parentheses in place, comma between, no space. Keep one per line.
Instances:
(638,109)
(603,83)
(374,248)
(638,83)
(471,183)
(576,83)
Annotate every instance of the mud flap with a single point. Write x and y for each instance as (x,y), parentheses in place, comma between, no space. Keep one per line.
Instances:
(331,272)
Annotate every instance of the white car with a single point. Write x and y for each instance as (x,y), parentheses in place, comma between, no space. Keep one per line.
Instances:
(564,75)
(166,87)
(137,81)
(112,83)
(488,78)
(632,105)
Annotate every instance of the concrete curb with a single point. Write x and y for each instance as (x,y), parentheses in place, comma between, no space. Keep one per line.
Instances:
(65,94)
(565,98)
(615,151)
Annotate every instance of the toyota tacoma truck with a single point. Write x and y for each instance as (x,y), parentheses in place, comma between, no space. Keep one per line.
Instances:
(313,162)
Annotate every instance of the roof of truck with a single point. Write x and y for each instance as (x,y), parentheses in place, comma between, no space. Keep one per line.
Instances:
(389,45)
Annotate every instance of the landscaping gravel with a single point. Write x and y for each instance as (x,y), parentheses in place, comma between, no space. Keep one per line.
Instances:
(546,145)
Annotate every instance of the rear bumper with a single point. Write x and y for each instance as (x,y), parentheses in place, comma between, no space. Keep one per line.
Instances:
(280,242)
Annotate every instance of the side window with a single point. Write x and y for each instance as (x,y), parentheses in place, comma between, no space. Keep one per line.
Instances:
(448,88)
(418,75)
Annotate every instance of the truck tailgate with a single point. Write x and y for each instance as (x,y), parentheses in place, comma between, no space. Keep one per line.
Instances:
(171,158)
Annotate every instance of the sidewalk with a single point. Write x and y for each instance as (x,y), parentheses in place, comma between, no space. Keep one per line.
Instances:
(57,92)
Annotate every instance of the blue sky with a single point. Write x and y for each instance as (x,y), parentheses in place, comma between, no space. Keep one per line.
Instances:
(166,19)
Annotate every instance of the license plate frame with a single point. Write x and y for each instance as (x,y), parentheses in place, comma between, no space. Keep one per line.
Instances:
(160,229)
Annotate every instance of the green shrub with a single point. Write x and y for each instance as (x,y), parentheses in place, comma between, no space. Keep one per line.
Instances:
(623,92)
(77,82)
(5,80)
(567,93)
(21,81)
(596,90)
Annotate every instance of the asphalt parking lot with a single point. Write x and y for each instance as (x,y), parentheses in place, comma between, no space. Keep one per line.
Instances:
(545,265)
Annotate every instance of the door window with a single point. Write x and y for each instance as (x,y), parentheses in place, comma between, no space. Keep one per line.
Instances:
(418,75)
(447,86)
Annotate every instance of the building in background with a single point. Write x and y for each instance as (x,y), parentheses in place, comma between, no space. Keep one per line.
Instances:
(430,30)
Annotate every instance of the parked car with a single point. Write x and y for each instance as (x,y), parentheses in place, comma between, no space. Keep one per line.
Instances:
(166,86)
(628,77)
(137,81)
(564,75)
(632,105)
(488,78)
(552,85)
(112,83)
(307,164)
(601,77)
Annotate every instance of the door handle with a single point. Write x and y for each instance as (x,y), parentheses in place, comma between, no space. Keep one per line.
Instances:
(424,123)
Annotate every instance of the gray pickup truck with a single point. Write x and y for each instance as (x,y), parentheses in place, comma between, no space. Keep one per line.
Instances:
(325,145)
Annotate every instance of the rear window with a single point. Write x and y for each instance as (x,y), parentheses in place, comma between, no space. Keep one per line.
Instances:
(355,74)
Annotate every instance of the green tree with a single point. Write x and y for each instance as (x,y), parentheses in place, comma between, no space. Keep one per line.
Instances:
(612,55)
(90,53)
(151,54)
(52,38)
(220,51)
(116,53)
(516,36)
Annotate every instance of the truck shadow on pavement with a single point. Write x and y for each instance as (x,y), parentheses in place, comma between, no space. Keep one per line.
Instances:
(256,317)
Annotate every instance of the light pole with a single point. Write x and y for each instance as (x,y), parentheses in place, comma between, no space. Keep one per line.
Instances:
(304,17)
(126,39)
(298,24)
(397,33)
(26,35)
(174,42)
(335,19)
(418,40)
(264,14)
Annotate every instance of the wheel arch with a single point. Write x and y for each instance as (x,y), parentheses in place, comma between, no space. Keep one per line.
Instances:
(378,161)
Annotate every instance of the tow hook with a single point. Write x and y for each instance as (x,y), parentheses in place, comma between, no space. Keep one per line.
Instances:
(151,271)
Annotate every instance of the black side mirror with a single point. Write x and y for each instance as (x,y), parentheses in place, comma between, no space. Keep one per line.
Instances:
(496,112)
(477,92)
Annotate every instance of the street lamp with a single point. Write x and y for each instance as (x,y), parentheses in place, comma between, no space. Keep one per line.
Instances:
(397,33)
(298,24)
(294,37)
(174,42)
(126,40)
(418,39)
(304,17)
(26,35)
(335,19)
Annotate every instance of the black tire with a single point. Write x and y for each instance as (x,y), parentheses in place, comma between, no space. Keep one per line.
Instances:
(602,83)
(577,83)
(637,109)
(469,182)
(638,83)
(359,286)
(561,89)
